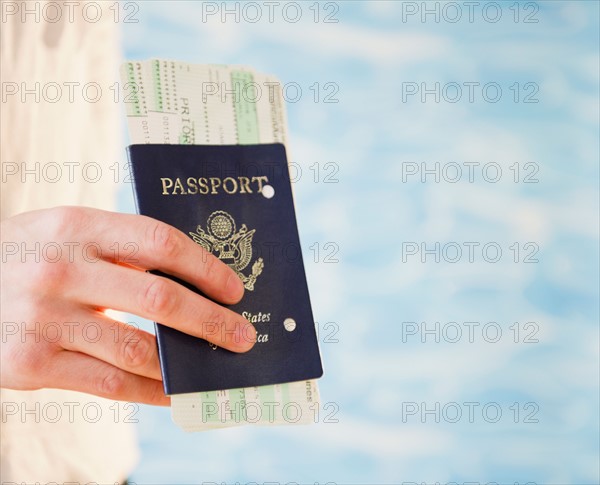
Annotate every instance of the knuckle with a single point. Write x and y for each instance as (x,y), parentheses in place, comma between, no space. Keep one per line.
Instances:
(112,383)
(49,275)
(215,316)
(211,267)
(158,298)
(50,268)
(25,359)
(164,240)
(135,351)
(33,362)
(62,220)
(212,324)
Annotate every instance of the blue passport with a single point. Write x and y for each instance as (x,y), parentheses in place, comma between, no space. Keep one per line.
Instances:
(236,202)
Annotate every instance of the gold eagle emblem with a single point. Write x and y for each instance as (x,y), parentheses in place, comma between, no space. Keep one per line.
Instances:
(232,247)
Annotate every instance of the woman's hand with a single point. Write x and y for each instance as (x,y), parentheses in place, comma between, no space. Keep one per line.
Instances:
(62,267)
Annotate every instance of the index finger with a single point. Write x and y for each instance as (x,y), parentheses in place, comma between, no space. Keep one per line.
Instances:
(157,245)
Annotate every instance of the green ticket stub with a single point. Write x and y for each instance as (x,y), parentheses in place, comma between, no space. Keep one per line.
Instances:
(245,107)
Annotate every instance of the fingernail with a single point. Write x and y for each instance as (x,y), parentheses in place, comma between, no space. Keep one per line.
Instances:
(246,335)
(234,287)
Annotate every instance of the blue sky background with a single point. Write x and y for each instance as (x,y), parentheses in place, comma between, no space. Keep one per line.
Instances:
(372,135)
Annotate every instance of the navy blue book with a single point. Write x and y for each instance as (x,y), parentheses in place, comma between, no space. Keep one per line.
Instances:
(236,202)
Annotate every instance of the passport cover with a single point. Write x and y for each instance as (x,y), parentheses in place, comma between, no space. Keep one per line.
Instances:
(236,202)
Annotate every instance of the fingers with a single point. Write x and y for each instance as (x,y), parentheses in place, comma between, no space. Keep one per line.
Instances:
(164,301)
(123,346)
(79,372)
(151,244)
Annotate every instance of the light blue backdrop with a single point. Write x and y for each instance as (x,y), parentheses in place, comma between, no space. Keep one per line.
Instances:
(379,372)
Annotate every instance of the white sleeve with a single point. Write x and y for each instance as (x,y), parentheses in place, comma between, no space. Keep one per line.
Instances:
(34,444)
